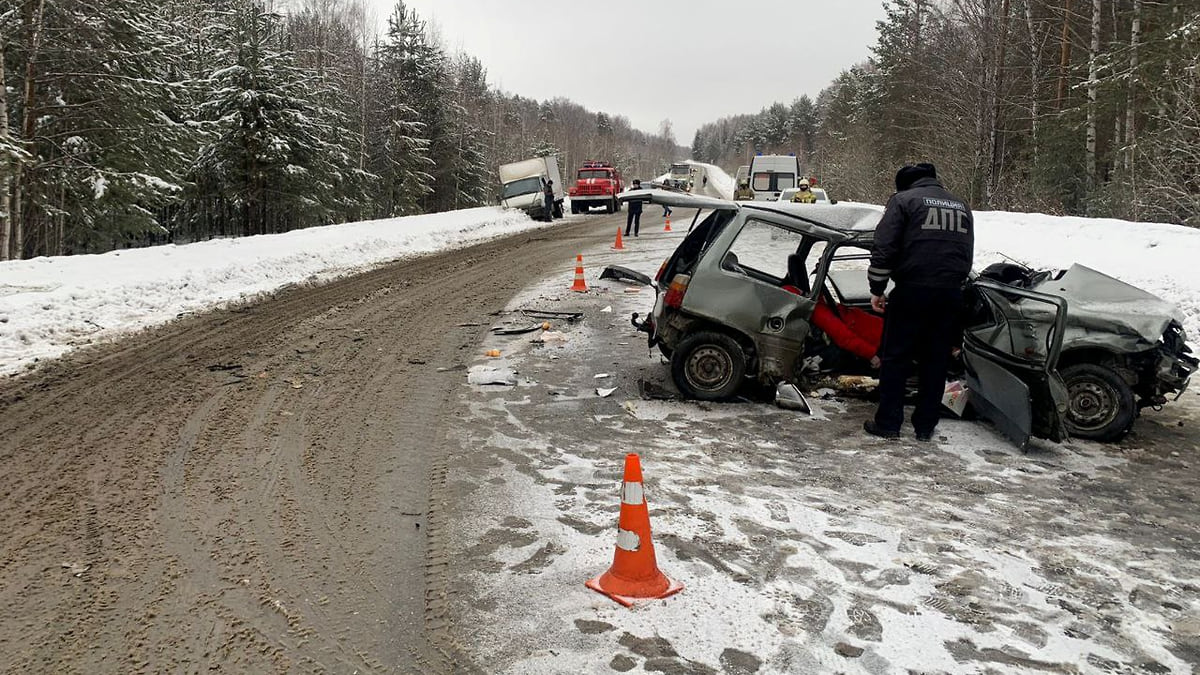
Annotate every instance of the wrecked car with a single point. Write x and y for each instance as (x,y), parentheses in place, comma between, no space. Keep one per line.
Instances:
(1044,354)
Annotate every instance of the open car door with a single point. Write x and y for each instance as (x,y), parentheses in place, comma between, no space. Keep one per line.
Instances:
(1011,346)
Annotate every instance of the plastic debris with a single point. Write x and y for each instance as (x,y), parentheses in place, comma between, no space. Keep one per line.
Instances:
(551,336)
(492,353)
(788,397)
(607,309)
(601,376)
(605,393)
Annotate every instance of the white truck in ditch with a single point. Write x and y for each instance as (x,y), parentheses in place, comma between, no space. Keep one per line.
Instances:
(523,187)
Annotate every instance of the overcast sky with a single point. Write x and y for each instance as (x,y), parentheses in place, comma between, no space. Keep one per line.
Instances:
(690,61)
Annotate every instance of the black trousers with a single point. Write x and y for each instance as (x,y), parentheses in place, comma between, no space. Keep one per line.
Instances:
(918,327)
(633,220)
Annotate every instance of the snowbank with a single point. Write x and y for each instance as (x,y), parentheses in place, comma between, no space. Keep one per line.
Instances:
(51,305)
(1159,258)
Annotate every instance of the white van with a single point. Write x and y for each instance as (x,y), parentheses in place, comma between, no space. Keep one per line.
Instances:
(772,174)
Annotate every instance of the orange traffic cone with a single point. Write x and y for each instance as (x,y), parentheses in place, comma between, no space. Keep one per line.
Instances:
(634,574)
(668,227)
(580,285)
(619,245)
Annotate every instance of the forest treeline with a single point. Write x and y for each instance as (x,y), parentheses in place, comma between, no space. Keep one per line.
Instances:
(1083,107)
(130,122)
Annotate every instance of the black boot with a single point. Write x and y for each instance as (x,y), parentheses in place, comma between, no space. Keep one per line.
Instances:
(870,427)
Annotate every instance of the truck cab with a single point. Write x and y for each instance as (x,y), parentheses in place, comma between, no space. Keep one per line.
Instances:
(596,184)
(681,176)
(523,186)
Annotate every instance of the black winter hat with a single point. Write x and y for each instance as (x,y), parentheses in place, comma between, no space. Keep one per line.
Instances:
(907,175)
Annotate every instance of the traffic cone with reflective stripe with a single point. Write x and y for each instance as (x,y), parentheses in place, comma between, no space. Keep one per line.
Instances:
(580,285)
(668,227)
(634,574)
(619,245)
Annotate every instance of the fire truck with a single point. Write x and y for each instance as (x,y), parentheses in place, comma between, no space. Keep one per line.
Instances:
(596,184)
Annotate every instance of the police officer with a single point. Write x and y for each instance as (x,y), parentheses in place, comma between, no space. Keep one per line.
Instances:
(634,219)
(924,243)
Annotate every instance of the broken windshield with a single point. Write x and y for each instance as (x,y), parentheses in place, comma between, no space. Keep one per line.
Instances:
(524,186)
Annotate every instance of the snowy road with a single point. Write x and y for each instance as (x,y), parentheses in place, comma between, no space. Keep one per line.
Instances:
(309,483)
(249,490)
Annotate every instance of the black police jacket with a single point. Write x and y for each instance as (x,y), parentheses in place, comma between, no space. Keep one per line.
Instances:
(925,238)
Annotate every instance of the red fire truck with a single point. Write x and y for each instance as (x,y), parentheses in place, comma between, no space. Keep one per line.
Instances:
(596,184)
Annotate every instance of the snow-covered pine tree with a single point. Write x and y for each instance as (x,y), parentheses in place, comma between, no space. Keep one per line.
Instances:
(97,81)
(277,161)
(399,147)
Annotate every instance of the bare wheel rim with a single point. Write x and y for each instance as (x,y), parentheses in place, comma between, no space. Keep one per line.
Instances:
(709,368)
(1093,404)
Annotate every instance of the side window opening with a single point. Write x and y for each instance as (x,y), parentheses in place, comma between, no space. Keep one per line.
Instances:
(763,249)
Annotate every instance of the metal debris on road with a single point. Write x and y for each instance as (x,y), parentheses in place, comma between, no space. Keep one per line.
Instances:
(605,393)
(551,314)
(517,330)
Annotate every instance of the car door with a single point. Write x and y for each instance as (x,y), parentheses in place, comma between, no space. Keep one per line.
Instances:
(740,283)
(1011,343)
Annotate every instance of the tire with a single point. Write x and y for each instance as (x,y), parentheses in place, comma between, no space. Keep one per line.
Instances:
(558,212)
(616,205)
(708,366)
(1100,404)
(608,208)
(574,208)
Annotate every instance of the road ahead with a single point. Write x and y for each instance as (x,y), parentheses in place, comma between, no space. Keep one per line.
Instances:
(253,490)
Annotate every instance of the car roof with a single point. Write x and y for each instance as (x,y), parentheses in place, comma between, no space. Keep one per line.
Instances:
(851,218)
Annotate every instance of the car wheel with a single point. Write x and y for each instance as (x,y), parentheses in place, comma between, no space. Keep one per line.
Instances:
(1100,404)
(617,205)
(558,212)
(708,366)
(608,208)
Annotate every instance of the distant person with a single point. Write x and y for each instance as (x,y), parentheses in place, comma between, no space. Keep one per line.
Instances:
(549,192)
(804,195)
(634,219)
(925,244)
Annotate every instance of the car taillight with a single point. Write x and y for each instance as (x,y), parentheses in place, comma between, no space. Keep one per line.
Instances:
(674,296)
(661,269)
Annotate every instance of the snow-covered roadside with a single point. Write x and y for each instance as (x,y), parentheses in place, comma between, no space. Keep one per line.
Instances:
(1155,257)
(49,306)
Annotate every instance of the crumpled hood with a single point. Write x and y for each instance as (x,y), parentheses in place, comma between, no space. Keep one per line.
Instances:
(1107,312)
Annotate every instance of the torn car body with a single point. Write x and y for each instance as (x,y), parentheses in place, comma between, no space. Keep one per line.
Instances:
(1045,354)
